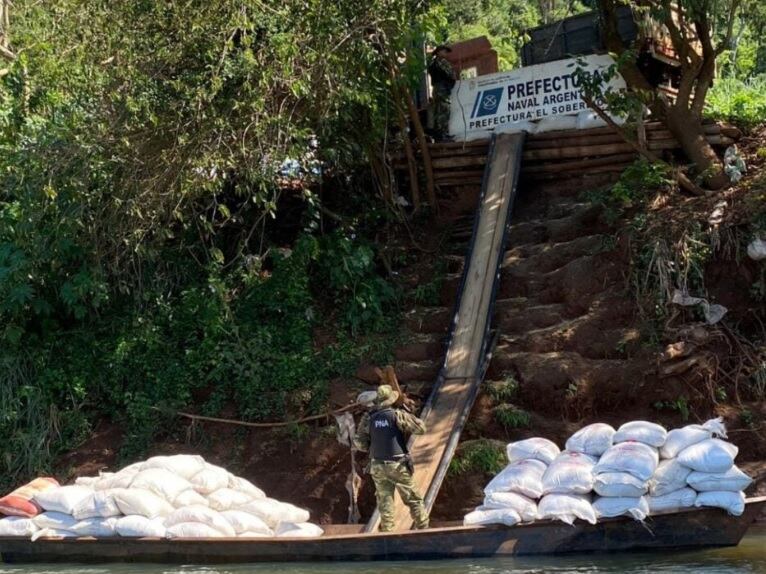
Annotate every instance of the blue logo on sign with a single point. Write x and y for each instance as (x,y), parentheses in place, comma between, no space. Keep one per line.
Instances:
(487,102)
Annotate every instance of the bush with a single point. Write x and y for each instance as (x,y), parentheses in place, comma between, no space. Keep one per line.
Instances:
(484,456)
(742,102)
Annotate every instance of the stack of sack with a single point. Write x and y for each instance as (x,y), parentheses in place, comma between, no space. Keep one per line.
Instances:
(179,496)
(637,470)
(511,497)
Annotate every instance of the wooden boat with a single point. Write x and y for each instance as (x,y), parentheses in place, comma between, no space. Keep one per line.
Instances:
(694,528)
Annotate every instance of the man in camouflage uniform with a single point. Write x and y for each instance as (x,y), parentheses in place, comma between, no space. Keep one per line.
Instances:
(382,431)
(442,80)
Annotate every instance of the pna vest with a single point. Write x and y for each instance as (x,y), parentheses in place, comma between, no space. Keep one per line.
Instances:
(386,440)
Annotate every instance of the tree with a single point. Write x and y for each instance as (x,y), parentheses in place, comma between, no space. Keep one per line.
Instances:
(699,31)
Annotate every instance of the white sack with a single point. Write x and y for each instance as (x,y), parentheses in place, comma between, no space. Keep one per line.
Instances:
(52,533)
(89,481)
(532,448)
(243,522)
(161,482)
(192,530)
(99,504)
(637,458)
(731,502)
(592,439)
(523,506)
(210,479)
(679,439)
(497,516)
(672,501)
(711,455)
(190,498)
(569,473)
(120,479)
(140,527)
(670,476)
(524,477)
(245,486)
(96,527)
(272,512)
(63,499)
(299,530)
(733,480)
(619,484)
(182,465)
(609,507)
(226,499)
(201,515)
(641,431)
(142,502)
(17,526)
(54,520)
(567,508)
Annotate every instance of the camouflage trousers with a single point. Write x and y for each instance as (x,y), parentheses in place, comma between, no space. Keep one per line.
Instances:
(441,103)
(390,476)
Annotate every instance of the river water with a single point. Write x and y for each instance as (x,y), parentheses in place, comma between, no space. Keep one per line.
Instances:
(748,557)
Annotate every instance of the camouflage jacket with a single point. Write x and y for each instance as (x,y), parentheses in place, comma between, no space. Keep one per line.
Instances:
(407,423)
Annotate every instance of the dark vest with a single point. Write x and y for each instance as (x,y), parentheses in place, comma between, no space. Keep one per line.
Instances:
(386,440)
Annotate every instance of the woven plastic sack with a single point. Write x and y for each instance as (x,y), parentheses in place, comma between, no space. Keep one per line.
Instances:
(679,439)
(96,527)
(227,498)
(569,473)
(532,448)
(525,507)
(140,527)
(17,526)
(142,502)
(592,439)
(52,533)
(567,508)
(63,499)
(99,504)
(711,455)
(243,522)
(161,482)
(733,480)
(54,520)
(636,458)
(609,507)
(299,530)
(492,516)
(619,484)
(245,486)
(192,530)
(181,465)
(120,479)
(202,515)
(272,512)
(190,498)
(731,502)
(672,501)
(669,477)
(210,479)
(21,501)
(89,481)
(524,477)
(645,432)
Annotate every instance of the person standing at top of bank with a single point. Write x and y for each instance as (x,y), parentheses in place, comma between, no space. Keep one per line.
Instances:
(382,432)
(443,80)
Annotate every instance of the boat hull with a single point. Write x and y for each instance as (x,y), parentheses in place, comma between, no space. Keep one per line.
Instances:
(689,529)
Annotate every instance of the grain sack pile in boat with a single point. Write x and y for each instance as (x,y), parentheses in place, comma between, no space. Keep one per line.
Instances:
(637,470)
(179,496)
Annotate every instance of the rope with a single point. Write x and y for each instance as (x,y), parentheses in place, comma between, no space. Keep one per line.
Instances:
(261,425)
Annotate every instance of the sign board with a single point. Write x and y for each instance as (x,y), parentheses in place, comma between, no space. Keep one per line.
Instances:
(509,100)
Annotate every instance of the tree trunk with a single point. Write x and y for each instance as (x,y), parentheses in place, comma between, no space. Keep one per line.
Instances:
(688,131)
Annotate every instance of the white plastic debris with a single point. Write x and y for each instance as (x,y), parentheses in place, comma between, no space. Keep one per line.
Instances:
(644,432)
(593,439)
(733,164)
(537,448)
(756,249)
(713,312)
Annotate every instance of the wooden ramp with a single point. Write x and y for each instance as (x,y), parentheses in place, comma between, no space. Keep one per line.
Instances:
(453,395)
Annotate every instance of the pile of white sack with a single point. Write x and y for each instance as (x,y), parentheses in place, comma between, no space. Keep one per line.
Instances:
(637,470)
(179,496)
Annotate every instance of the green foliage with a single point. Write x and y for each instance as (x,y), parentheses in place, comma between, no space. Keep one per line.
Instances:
(478,456)
(503,391)
(429,293)
(740,101)
(679,405)
(511,417)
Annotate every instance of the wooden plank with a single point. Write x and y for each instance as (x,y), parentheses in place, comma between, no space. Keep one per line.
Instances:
(558,167)
(693,528)
(459,161)
(577,151)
